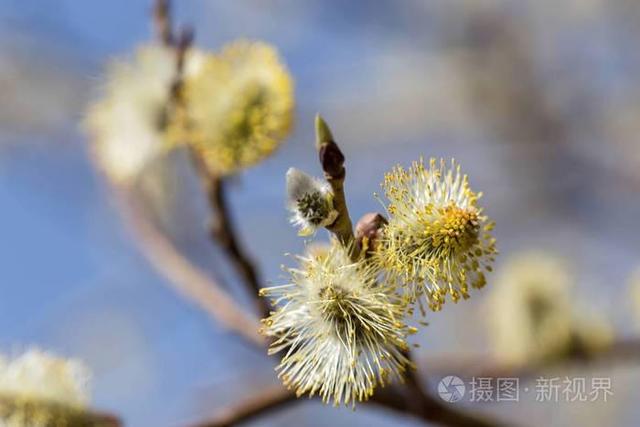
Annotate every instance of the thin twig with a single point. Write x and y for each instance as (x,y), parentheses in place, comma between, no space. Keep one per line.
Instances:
(257,405)
(223,232)
(187,279)
(429,409)
(413,381)
(222,227)
(413,400)
(162,21)
(625,351)
(396,398)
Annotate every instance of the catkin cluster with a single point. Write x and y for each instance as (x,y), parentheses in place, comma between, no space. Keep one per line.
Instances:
(233,108)
(341,320)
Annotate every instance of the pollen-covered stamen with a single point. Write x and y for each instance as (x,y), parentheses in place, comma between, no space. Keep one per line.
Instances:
(332,301)
(342,309)
(455,230)
(337,308)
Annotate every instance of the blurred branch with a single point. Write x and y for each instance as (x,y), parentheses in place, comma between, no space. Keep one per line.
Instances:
(186,278)
(412,400)
(519,105)
(619,352)
(408,399)
(162,21)
(507,91)
(256,405)
(222,228)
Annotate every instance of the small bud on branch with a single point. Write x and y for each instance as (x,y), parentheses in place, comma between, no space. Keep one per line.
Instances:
(331,158)
(368,231)
(332,161)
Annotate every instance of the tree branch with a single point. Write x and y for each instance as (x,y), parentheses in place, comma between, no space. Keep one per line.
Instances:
(625,351)
(396,398)
(223,232)
(412,400)
(162,21)
(186,278)
(256,405)
(222,227)
(408,399)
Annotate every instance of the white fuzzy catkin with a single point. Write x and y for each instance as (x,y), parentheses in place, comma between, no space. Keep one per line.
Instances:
(310,202)
(128,122)
(341,332)
(38,375)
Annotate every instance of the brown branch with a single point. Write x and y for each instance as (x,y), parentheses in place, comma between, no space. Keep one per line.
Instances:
(162,21)
(223,231)
(407,400)
(412,400)
(186,278)
(222,227)
(620,352)
(256,405)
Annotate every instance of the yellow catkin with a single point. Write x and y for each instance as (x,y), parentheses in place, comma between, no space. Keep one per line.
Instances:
(237,107)
(438,241)
(532,316)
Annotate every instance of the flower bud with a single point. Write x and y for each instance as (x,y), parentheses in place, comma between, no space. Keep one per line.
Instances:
(331,157)
(310,202)
(368,231)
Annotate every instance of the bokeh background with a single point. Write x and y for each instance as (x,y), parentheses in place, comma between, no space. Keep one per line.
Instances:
(539,100)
